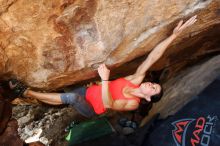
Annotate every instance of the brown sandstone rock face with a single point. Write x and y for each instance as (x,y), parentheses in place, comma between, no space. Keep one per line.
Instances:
(51,44)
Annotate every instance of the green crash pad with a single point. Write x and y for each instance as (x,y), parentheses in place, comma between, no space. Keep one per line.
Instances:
(89,130)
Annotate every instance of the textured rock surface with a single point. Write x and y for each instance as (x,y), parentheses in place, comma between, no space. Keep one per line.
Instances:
(52,121)
(51,44)
(11,133)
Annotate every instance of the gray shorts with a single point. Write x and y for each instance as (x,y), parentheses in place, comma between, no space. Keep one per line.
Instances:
(76,98)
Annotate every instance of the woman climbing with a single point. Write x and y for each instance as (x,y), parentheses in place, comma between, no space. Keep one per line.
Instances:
(122,94)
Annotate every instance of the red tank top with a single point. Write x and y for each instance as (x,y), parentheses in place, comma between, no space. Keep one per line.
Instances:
(94,93)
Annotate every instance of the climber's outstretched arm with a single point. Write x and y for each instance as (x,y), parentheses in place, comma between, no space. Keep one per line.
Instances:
(158,51)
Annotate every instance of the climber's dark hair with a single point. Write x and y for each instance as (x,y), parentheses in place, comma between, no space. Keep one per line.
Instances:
(157,97)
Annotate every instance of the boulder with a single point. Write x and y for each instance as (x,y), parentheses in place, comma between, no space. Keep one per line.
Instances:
(52,44)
